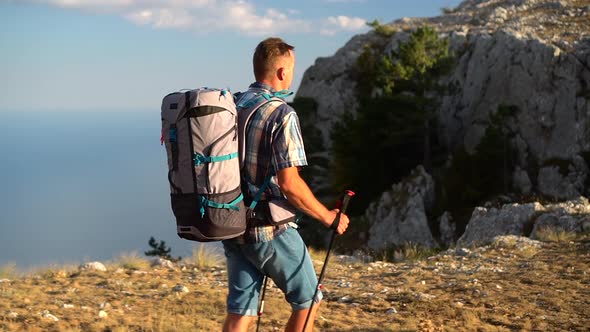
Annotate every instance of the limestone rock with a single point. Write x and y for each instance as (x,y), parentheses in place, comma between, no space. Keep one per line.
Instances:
(521,181)
(516,219)
(447,229)
(47,315)
(514,241)
(399,216)
(577,206)
(93,266)
(161,262)
(485,224)
(569,216)
(564,186)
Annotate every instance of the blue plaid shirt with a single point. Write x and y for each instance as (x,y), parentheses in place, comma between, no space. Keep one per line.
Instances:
(273,142)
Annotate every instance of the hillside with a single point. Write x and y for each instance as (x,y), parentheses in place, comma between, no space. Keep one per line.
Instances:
(514,284)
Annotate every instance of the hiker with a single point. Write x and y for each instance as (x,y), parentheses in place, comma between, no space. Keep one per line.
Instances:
(274,152)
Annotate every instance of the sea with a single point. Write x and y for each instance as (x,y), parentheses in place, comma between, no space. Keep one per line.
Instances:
(83,186)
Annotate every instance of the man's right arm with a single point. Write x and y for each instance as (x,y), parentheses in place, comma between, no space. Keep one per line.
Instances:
(299,194)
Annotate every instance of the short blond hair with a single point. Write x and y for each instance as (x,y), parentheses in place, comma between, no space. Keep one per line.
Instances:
(267,56)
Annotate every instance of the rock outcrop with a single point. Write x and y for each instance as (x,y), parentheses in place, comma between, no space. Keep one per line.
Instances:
(485,224)
(533,55)
(399,216)
(525,220)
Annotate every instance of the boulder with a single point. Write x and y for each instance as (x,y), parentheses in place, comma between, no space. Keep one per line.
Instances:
(399,216)
(485,224)
(161,262)
(93,266)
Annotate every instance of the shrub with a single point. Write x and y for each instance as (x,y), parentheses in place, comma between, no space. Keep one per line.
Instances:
(381,29)
(161,250)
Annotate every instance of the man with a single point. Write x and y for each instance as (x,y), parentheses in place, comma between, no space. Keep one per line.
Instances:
(274,147)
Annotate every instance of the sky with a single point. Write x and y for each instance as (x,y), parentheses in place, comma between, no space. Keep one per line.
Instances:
(110,55)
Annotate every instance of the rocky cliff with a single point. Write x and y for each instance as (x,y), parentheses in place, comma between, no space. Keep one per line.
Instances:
(533,55)
(530,57)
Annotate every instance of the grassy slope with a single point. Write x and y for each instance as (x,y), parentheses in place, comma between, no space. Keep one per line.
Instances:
(495,288)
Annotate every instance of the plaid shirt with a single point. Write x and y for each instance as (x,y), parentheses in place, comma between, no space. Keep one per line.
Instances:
(273,142)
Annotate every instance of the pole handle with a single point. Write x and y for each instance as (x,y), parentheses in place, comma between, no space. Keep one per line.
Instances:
(342,205)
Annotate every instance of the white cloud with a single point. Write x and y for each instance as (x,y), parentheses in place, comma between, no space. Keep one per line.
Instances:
(334,24)
(208,15)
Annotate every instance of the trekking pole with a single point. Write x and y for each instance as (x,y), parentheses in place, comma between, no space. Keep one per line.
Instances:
(261,304)
(342,205)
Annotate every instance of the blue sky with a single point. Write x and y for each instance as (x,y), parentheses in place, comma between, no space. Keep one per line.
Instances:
(127,54)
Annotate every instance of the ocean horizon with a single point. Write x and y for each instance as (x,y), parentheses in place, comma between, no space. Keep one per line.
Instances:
(82,186)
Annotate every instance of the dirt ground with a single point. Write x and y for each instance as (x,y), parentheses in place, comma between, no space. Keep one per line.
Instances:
(501,287)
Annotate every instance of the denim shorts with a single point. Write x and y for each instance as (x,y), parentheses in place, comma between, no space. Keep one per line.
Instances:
(284,259)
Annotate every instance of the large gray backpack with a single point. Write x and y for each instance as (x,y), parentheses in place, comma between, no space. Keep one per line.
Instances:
(200,131)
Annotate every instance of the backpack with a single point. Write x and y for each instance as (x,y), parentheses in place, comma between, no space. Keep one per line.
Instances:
(200,132)
(205,150)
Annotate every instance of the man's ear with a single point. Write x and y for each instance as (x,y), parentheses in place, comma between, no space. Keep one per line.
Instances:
(281,73)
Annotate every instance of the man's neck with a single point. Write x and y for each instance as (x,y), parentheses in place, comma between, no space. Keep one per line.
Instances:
(275,84)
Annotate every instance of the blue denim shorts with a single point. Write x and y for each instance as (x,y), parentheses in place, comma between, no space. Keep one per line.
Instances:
(284,259)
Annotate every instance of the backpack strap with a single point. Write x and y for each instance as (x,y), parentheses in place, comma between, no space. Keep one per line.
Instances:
(231,205)
(246,109)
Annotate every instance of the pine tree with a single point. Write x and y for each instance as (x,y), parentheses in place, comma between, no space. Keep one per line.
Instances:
(161,250)
(416,67)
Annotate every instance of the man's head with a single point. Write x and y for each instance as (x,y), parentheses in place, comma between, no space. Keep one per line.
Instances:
(274,62)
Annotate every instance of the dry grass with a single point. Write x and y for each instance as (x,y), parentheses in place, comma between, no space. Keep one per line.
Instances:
(132,261)
(550,234)
(9,271)
(205,257)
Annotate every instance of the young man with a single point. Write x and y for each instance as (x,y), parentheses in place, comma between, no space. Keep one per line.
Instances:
(274,146)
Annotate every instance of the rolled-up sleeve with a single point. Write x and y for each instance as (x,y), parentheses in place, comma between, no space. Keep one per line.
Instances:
(287,146)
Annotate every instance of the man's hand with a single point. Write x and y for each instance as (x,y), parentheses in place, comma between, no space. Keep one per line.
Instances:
(342,225)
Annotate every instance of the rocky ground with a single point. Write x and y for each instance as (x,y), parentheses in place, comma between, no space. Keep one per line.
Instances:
(514,284)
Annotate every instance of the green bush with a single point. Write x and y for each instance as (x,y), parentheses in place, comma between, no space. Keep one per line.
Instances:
(382,30)
(160,249)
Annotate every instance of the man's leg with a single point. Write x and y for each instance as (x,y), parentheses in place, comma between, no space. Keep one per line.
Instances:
(297,320)
(292,271)
(237,323)
(244,283)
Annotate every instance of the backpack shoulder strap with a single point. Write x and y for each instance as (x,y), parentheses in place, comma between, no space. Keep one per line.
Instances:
(246,109)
